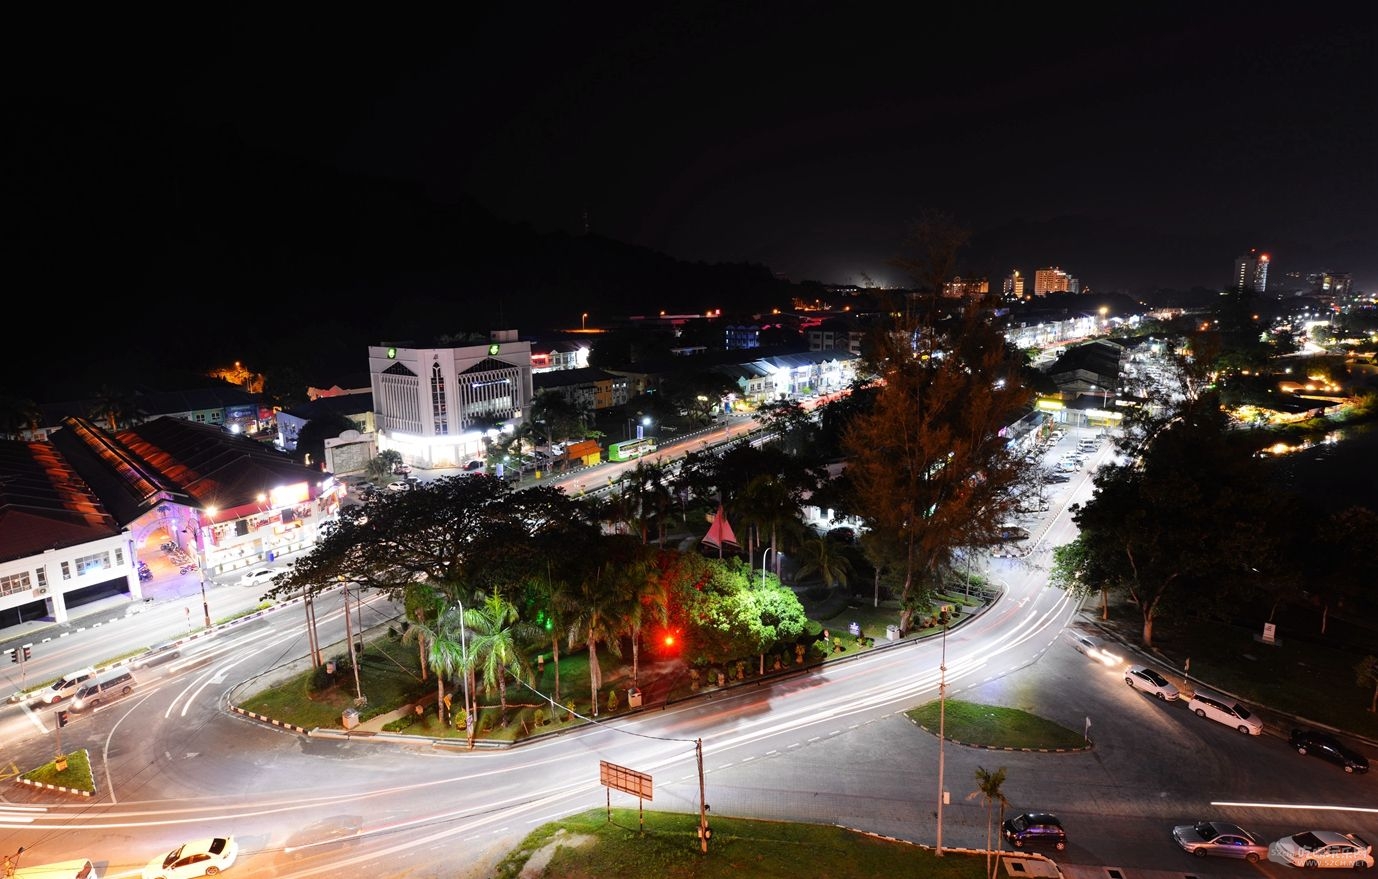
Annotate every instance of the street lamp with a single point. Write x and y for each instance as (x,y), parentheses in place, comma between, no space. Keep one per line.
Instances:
(766,555)
(584,321)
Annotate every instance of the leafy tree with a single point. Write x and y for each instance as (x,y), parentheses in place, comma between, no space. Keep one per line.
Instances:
(929,465)
(1073,571)
(1345,564)
(989,786)
(795,427)
(560,418)
(114,406)
(1180,527)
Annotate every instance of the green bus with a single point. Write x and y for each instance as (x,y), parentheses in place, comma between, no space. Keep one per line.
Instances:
(629,449)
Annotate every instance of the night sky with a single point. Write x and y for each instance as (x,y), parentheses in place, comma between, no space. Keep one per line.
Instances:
(798,135)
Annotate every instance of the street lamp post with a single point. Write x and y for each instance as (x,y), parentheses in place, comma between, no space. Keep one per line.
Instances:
(584,321)
(464,677)
(764,557)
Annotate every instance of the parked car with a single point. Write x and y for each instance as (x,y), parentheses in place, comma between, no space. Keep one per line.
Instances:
(398,485)
(199,857)
(401,469)
(1322,848)
(1094,648)
(1141,677)
(1226,711)
(476,464)
(1054,476)
(1035,828)
(1218,838)
(1329,748)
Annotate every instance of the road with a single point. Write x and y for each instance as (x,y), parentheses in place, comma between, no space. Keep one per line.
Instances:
(830,746)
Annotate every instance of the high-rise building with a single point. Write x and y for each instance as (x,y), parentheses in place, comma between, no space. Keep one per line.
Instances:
(1013,288)
(1251,271)
(1052,280)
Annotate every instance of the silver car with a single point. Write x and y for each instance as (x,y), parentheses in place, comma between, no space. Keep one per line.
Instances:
(1322,848)
(1218,838)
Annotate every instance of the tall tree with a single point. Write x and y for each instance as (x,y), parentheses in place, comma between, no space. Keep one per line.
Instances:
(598,604)
(930,465)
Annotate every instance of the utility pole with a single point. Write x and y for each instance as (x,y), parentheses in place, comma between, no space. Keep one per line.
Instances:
(942,736)
(353,660)
(704,832)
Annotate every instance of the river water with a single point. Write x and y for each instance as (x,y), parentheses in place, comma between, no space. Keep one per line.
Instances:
(1337,471)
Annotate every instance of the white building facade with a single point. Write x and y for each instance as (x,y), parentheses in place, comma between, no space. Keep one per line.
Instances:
(435,405)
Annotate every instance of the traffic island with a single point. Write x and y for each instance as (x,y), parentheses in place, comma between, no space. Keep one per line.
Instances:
(66,773)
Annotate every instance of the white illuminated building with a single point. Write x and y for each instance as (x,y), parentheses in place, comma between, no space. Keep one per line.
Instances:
(434,405)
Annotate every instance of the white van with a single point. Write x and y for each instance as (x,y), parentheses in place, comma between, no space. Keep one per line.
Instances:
(64,686)
(111,684)
(81,868)
(1227,711)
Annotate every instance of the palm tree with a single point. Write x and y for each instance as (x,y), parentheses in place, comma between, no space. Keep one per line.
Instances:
(644,599)
(19,417)
(441,639)
(823,556)
(770,505)
(499,635)
(595,619)
(988,786)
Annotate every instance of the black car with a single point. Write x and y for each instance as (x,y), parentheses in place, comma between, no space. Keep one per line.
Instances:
(1327,747)
(1035,828)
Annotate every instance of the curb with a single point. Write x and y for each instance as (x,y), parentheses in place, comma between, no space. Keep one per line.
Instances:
(1079,750)
(269,720)
(1026,856)
(41,786)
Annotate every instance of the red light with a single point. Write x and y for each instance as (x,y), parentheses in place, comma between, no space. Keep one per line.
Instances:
(669,640)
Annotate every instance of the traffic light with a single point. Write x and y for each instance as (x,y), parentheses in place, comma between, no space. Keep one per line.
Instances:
(61,719)
(14,654)
(28,652)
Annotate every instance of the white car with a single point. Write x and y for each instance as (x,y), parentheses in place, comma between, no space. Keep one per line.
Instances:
(199,857)
(398,485)
(1093,648)
(1322,848)
(1141,677)
(1225,710)
(261,577)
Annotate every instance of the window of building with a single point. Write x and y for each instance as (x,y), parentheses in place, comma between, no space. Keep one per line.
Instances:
(95,562)
(440,419)
(42,575)
(119,556)
(12,583)
(66,570)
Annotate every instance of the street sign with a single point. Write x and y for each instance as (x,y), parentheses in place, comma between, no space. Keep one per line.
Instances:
(629,781)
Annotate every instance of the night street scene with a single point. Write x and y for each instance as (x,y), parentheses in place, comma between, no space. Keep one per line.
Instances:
(696,440)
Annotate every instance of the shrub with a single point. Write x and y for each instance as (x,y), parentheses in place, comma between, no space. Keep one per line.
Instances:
(612,699)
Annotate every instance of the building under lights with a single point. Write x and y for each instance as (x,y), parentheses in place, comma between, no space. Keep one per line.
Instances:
(80,511)
(1251,272)
(434,405)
